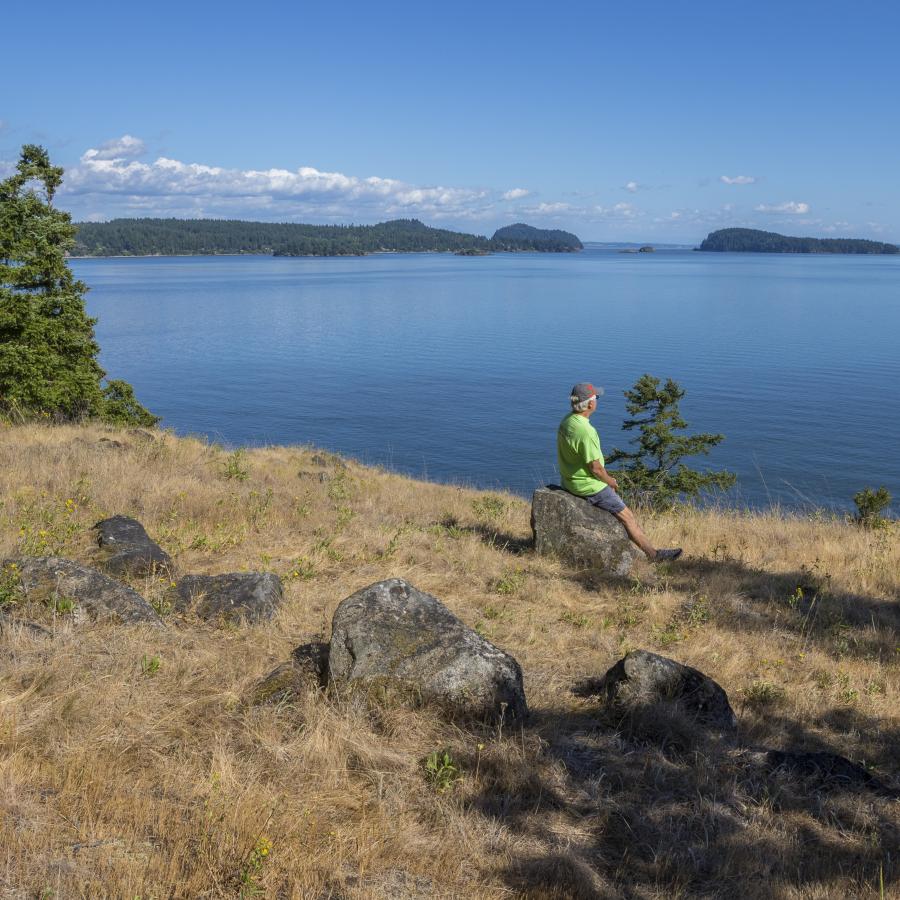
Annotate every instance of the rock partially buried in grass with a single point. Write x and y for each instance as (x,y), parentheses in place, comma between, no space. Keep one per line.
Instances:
(643,681)
(579,533)
(390,634)
(236,597)
(12,624)
(128,549)
(306,670)
(60,583)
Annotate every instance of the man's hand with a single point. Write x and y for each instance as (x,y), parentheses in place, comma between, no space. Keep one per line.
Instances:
(600,472)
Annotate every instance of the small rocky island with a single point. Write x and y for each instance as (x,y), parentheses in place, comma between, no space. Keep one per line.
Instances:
(751,240)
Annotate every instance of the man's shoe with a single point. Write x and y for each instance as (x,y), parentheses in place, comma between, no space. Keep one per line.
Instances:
(667,555)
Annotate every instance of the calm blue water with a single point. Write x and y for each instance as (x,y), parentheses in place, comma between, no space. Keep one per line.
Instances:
(458,369)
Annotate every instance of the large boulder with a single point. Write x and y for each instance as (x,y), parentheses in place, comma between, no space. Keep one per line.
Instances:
(580,533)
(127,548)
(236,597)
(392,634)
(52,580)
(648,687)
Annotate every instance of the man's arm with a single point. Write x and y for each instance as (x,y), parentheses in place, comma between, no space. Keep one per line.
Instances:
(598,471)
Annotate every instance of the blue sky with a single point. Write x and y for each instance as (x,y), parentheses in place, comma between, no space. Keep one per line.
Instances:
(648,121)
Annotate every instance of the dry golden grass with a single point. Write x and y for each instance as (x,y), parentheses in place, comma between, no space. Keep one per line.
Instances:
(120,781)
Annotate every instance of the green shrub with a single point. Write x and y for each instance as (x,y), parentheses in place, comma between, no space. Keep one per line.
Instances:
(870,505)
(440,770)
(236,467)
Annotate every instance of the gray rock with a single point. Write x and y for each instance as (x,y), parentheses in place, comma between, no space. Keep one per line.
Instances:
(49,578)
(818,770)
(578,532)
(328,459)
(142,435)
(10,624)
(128,550)
(390,633)
(239,596)
(643,679)
(306,670)
(111,444)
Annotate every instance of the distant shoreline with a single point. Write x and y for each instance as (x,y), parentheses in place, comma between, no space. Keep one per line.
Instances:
(311,255)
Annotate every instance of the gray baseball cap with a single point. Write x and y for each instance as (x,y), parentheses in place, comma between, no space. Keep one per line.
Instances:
(584,390)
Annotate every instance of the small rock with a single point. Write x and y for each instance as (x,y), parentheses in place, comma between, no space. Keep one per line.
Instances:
(580,533)
(111,444)
(643,679)
(10,624)
(306,670)
(239,596)
(128,548)
(328,459)
(49,578)
(390,633)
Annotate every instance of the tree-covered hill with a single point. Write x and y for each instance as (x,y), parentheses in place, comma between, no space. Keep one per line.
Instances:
(181,237)
(526,237)
(750,240)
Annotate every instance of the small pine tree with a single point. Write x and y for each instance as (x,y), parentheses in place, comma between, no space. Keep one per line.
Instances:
(48,354)
(870,505)
(654,470)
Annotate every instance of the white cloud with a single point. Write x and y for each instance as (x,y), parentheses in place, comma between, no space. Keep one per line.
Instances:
(632,187)
(738,179)
(125,147)
(516,194)
(547,209)
(791,207)
(170,186)
(617,211)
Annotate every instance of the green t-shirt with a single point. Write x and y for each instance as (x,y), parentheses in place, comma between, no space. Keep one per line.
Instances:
(577,444)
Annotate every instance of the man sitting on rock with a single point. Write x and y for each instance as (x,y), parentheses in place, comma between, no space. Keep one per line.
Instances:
(581,466)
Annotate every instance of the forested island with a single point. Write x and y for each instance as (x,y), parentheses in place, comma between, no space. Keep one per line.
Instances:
(190,237)
(750,240)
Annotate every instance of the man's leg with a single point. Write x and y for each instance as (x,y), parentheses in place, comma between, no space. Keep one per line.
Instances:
(626,517)
(609,500)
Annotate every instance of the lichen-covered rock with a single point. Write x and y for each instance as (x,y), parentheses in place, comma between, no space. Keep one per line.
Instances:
(52,579)
(580,533)
(306,670)
(642,679)
(127,548)
(236,597)
(394,635)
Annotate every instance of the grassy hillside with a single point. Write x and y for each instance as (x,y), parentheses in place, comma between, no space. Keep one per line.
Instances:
(131,763)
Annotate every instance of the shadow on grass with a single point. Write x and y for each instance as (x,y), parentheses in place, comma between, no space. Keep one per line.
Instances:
(600,813)
(801,602)
(493,537)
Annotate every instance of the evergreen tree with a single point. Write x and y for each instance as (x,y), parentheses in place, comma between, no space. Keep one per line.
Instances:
(654,469)
(48,354)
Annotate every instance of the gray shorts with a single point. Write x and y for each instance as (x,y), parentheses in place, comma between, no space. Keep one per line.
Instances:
(607,499)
